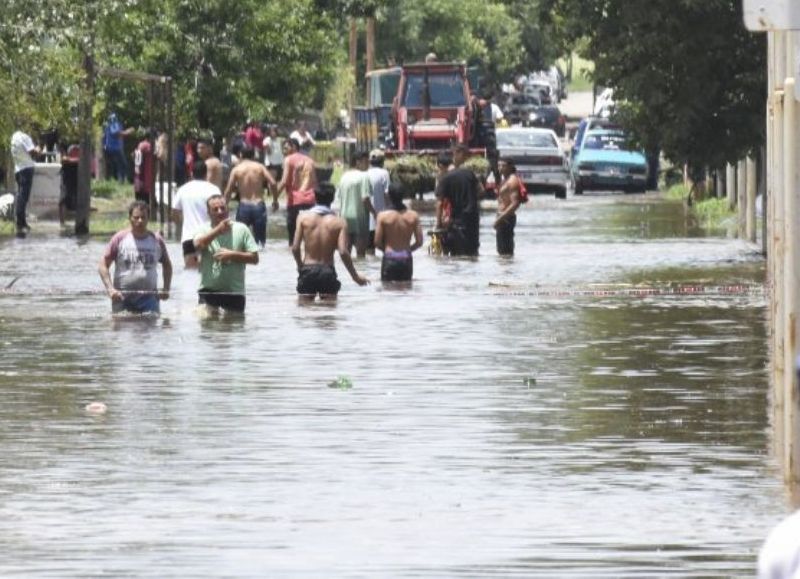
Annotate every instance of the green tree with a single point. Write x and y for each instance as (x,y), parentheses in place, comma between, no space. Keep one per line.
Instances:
(689,77)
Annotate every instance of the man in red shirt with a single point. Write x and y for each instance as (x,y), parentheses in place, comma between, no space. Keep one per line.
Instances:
(299,180)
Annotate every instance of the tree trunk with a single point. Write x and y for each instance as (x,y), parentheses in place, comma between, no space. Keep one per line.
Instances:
(370,43)
(83,201)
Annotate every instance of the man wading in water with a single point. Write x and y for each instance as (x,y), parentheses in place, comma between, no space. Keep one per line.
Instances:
(393,234)
(322,233)
(249,178)
(508,200)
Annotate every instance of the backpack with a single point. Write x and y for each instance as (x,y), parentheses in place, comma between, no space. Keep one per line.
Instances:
(523,192)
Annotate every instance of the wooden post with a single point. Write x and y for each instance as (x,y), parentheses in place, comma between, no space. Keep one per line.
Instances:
(84,194)
(791,269)
(353,55)
(750,195)
(741,194)
(775,261)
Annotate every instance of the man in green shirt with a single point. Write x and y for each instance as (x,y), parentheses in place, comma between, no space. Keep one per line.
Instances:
(353,198)
(226,247)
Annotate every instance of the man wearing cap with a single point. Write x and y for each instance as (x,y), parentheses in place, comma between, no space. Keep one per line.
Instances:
(379,183)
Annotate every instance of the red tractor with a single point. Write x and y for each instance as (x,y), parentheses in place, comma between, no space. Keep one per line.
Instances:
(433,109)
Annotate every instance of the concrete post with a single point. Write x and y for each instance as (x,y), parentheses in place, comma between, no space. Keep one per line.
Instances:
(741,196)
(730,185)
(750,205)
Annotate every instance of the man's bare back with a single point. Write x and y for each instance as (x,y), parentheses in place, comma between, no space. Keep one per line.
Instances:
(249,178)
(214,171)
(394,230)
(320,236)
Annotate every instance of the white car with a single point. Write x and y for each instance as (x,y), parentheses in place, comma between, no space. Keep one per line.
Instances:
(541,162)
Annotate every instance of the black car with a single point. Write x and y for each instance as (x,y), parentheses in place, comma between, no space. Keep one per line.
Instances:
(548,117)
(520,107)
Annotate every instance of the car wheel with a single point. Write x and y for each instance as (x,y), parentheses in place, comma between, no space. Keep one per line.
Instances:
(561,193)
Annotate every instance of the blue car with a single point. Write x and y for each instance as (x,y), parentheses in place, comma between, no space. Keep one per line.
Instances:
(605,162)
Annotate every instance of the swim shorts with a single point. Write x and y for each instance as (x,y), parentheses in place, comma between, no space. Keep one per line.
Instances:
(397,266)
(317,278)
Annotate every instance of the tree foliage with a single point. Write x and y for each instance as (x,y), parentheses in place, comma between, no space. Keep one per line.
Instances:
(689,76)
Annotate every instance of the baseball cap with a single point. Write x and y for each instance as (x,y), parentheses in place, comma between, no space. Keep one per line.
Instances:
(376,154)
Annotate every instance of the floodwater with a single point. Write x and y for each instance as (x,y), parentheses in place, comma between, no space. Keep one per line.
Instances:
(505,418)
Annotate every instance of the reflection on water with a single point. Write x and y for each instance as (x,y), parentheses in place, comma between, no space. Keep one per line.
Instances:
(487,432)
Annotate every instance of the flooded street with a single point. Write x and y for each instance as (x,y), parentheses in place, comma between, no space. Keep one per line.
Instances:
(507,418)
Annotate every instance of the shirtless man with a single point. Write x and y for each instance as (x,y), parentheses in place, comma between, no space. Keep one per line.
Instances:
(249,178)
(322,233)
(393,234)
(508,200)
(213,165)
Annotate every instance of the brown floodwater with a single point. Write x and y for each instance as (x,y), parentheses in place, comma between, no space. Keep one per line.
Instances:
(506,417)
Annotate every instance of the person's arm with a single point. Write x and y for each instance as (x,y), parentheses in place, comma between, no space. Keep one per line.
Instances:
(379,233)
(230,186)
(299,232)
(272,186)
(370,207)
(247,252)
(418,239)
(166,272)
(105,277)
(204,239)
(225,255)
(284,177)
(347,260)
(512,207)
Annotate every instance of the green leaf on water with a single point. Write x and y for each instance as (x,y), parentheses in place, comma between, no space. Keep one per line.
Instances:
(341,383)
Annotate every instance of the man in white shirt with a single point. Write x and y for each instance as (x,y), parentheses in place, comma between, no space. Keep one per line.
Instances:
(303,137)
(22,149)
(192,210)
(379,182)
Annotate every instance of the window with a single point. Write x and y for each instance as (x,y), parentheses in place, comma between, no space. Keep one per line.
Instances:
(445,89)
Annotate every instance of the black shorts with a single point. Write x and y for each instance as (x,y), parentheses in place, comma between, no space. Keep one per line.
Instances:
(397,266)
(188,247)
(226,301)
(318,278)
(505,235)
(461,239)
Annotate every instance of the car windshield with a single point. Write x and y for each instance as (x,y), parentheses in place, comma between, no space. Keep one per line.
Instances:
(446,90)
(524,100)
(525,139)
(606,141)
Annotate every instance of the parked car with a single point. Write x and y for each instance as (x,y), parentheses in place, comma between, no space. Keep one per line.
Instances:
(587,124)
(520,107)
(539,88)
(548,117)
(541,162)
(606,162)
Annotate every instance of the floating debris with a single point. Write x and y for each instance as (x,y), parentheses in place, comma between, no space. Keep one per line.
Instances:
(96,408)
(529,381)
(341,383)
